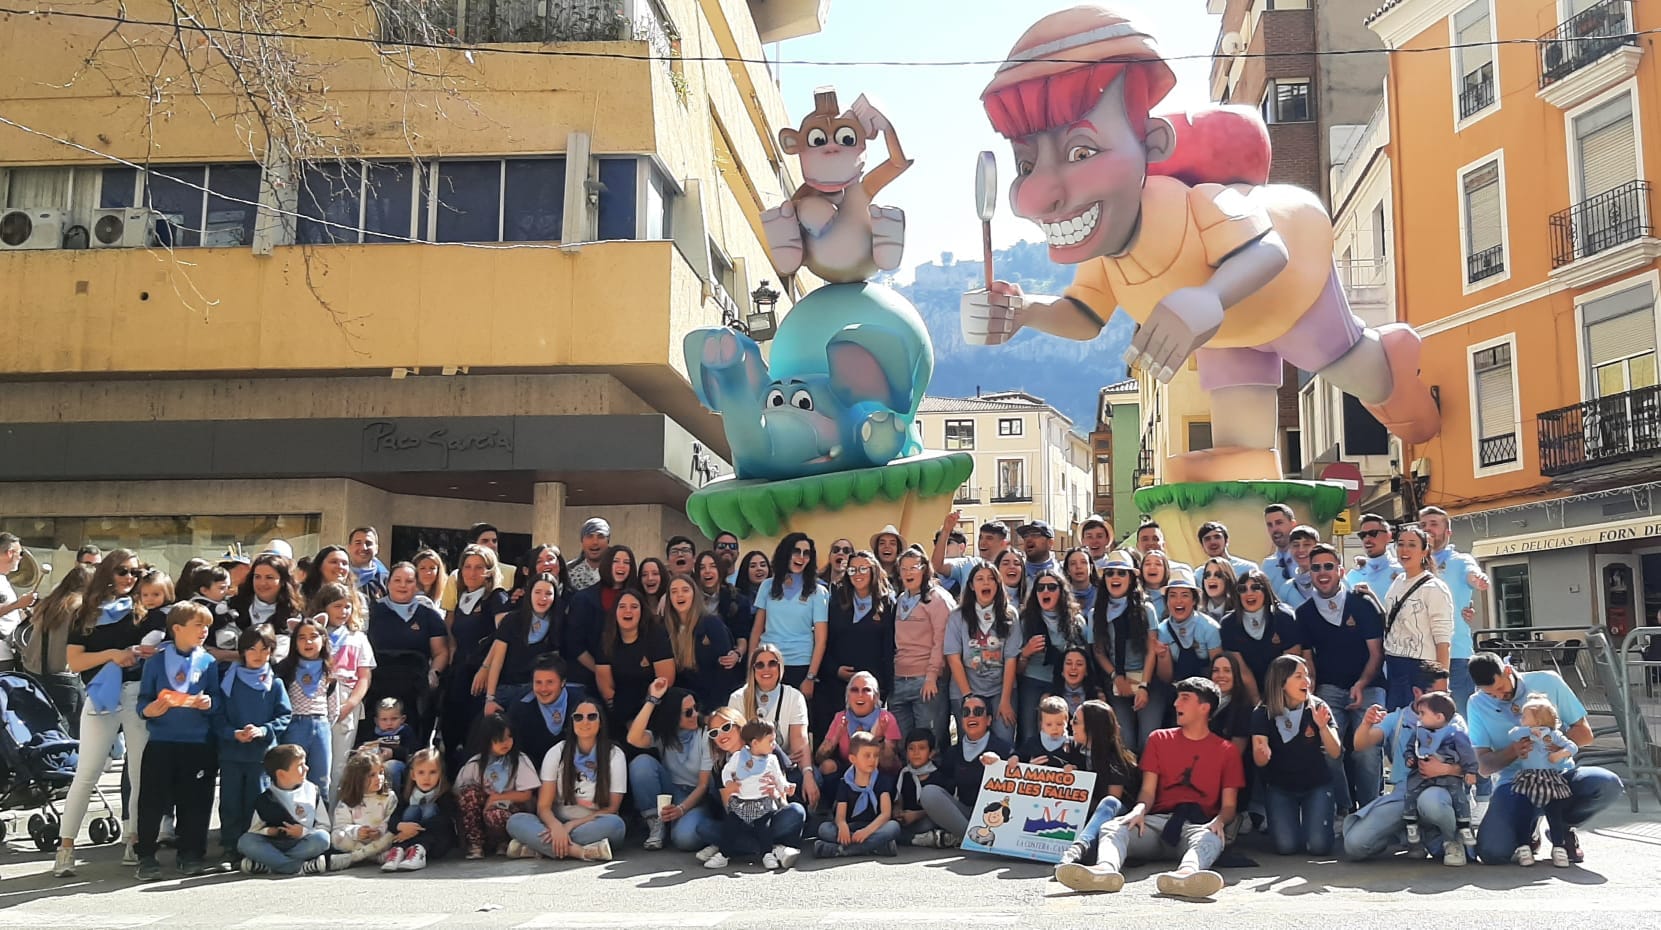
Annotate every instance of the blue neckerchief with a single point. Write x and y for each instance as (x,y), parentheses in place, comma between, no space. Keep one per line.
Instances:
(539,629)
(1052,624)
(1334,614)
(1183,630)
(1286,724)
(259,612)
(1012,595)
(499,773)
(308,674)
(750,764)
(1073,696)
(907,603)
(588,766)
(973,748)
(405,612)
(369,575)
(182,668)
(1255,622)
(862,606)
(1116,606)
(337,637)
(104,690)
(686,738)
(1052,743)
(867,796)
(865,724)
(1085,598)
(552,714)
(258,679)
(388,734)
(917,774)
(114,611)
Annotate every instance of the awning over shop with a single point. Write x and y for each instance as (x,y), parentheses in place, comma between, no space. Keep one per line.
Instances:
(1568,538)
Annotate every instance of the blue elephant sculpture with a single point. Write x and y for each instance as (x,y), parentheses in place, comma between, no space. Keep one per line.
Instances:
(849,367)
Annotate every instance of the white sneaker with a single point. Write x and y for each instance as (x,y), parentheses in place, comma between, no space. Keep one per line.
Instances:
(787,855)
(1200,884)
(316,866)
(63,865)
(129,854)
(716,861)
(1467,836)
(596,852)
(707,853)
(654,833)
(1523,856)
(392,859)
(927,839)
(1454,855)
(338,862)
(1560,856)
(518,850)
(415,859)
(1089,877)
(770,861)
(250,867)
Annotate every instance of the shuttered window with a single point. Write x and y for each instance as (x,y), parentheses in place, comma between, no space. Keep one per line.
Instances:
(1484,223)
(1496,403)
(1607,147)
(1620,341)
(1473,31)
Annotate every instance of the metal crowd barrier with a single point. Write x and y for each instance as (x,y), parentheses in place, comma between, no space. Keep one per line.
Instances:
(1637,661)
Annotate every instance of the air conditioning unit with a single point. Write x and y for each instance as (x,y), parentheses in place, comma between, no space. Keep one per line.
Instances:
(127,228)
(31,229)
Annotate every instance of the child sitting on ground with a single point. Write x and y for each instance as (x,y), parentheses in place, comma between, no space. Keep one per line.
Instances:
(1051,745)
(425,826)
(394,740)
(864,823)
(1434,737)
(290,830)
(753,788)
(1543,780)
(920,771)
(494,785)
(363,815)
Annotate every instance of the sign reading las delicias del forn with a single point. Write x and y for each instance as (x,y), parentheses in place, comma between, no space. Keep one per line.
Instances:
(1029,811)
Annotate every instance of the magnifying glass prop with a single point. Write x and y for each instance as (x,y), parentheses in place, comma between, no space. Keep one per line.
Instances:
(986,205)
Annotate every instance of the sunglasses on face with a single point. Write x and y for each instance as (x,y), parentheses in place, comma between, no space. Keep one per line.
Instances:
(1369,534)
(590,717)
(1323,566)
(1119,573)
(804,553)
(976,712)
(861,691)
(727,727)
(128,572)
(842,550)
(765,664)
(688,712)
(1253,586)
(1049,586)
(1214,573)
(860,570)
(727,547)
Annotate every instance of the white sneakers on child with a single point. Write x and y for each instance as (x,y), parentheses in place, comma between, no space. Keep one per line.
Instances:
(250,867)
(704,855)
(392,859)
(716,861)
(594,852)
(1523,856)
(1560,856)
(787,855)
(1454,855)
(768,860)
(414,859)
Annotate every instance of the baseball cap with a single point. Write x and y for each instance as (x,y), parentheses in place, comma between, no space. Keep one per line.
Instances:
(594,525)
(1036,526)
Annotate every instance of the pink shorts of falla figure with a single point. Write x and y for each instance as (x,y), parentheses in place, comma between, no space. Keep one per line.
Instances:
(1321,337)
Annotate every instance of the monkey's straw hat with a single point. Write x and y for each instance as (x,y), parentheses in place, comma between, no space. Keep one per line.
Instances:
(1079,37)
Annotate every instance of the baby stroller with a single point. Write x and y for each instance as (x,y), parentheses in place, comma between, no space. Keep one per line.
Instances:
(37,764)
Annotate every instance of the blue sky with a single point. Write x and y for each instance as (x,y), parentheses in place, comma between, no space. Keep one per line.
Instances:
(937,111)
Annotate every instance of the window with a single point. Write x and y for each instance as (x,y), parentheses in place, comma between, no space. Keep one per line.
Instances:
(1287,101)
(1363,434)
(1606,148)
(1620,342)
(1484,214)
(533,199)
(353,203)
(960,434)
(1381,244)
(1104,475)
(166,541)
(1010,426)
(211,205)
(1012,480)
(468,201)
(1510,583)
(618,186)
(1494,411)
(1473,56)
(1199,435)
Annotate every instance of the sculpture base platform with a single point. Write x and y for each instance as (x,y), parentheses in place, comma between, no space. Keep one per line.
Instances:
(1181,509)
(913,494)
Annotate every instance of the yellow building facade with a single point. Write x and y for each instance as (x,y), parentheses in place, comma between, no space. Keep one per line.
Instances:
(475,313)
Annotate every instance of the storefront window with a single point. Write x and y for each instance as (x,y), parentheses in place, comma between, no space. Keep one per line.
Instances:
(165,542)
(1511,596)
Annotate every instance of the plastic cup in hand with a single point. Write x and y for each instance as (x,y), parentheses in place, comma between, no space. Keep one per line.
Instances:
(664,800)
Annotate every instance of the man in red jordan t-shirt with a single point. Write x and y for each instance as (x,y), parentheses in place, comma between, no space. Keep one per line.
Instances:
(1191,780)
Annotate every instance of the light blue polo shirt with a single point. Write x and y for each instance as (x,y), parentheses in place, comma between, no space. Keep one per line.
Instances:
(1397,727)
(1491,720)
(1278,565)
(1376,574)
(1241,566)
(790,620)
(1454,567)
(960,569)
(1289,591)
(1208,636)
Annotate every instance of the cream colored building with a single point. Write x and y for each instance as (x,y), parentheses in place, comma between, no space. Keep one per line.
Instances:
(1029,462)
(478,318)
(1176,418)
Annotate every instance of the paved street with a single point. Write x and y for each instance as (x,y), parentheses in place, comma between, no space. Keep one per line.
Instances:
(922,889)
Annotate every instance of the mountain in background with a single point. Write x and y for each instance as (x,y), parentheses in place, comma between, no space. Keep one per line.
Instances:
(1065,373)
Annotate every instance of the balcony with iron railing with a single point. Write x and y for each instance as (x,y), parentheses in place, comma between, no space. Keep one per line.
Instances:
(1485,264)
(1604,236)
(1478,93)
(1012,493)
(1366,282)
(1592,37)
(1605,431)
(1494,451)
(966,495)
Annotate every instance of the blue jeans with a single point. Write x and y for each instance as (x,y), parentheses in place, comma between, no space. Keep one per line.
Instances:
(787,826)
(648,778)
(1028,692)
(1399,672)
(313,734)
(1377,828)
(240,785)
(1357,775)
(1462,687)
(1300,821)
(527,829)
(911,711)
(883,835)
(284,856)
(1511,819)
(1090,837)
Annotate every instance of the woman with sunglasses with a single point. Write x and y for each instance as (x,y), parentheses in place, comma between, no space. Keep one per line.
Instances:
(583,782)
(1050,623)
(835,570)
(982,645)
(1083,579)
(1125,627)
(1262,629)
(863,713)
(585,618)
(732,607)
(921,615)
(674,761)
(792,610)
(108,643)
(950,796)
(1219,592)
(724,736)
(859,636)
(765,696)
(1156,571)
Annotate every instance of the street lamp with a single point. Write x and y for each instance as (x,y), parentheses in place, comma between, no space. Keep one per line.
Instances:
(761,322)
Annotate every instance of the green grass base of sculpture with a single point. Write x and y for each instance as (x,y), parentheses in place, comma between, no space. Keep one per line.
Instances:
(1180,509)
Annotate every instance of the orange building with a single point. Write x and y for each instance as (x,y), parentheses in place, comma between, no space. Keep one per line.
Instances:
(1523,134)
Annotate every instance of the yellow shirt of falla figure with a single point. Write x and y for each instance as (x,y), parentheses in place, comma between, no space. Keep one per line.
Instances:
(1187,232)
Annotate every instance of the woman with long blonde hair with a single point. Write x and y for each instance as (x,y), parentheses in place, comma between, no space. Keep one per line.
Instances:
(706,658)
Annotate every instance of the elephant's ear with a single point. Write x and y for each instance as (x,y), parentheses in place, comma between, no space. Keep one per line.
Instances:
(868,363)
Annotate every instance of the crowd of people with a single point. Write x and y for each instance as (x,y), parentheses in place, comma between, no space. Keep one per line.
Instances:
(742,706)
